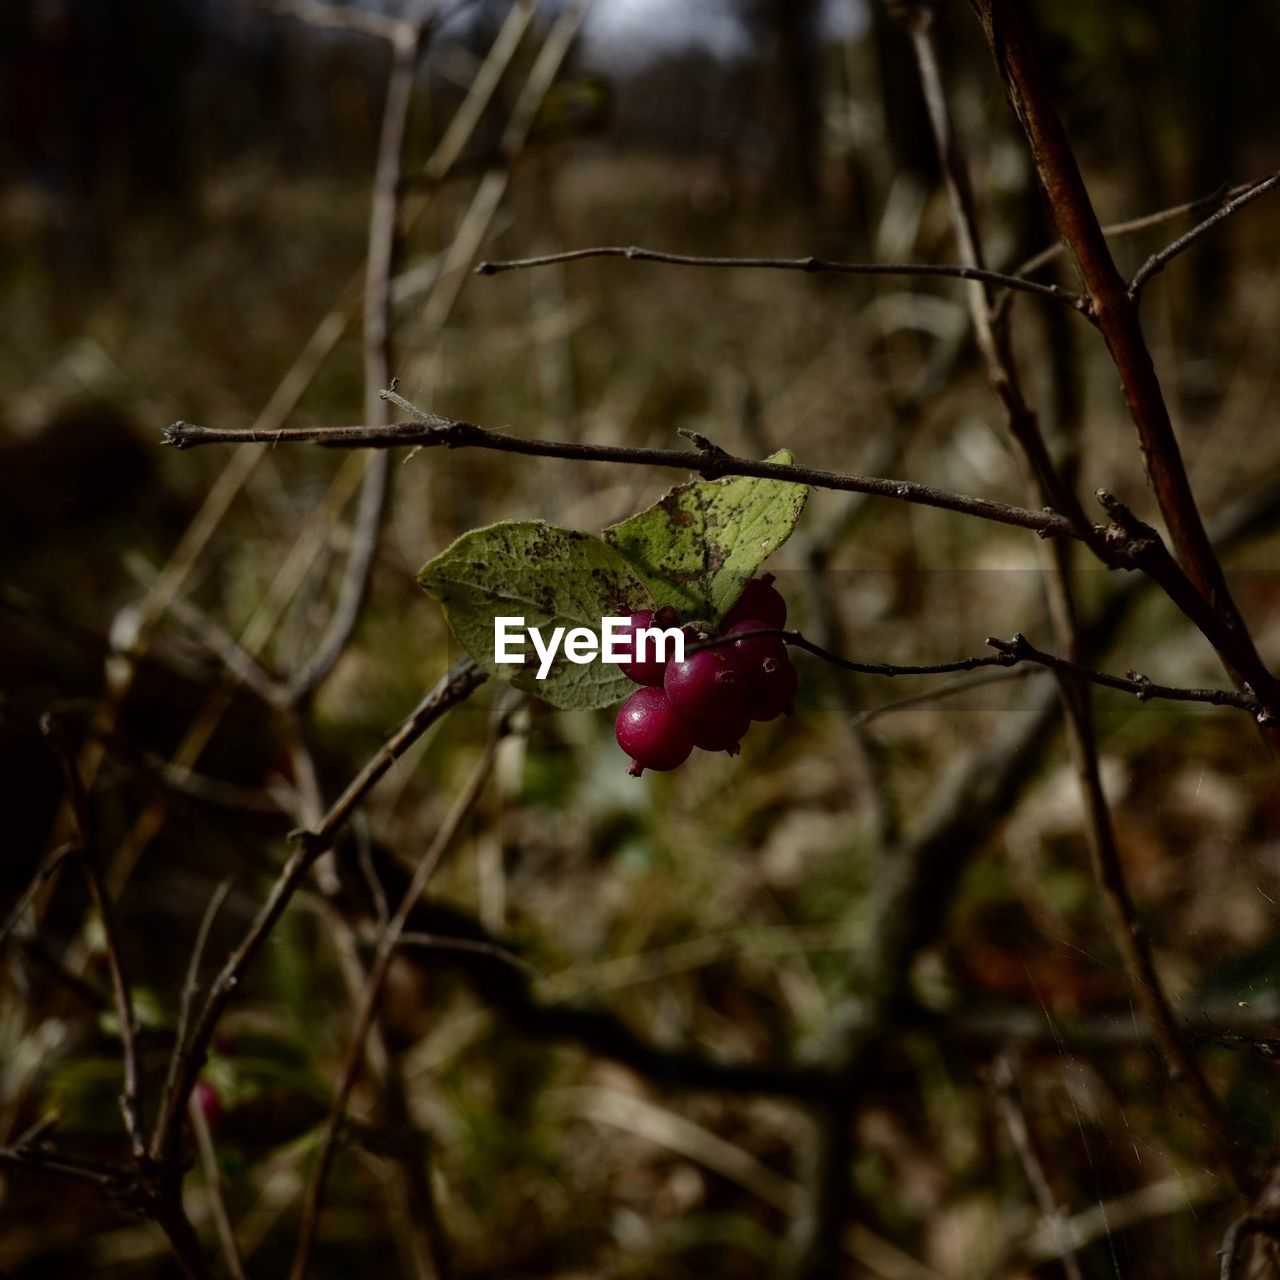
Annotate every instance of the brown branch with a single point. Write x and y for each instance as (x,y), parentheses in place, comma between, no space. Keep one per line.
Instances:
(1237,1233)
(1076,700)
(947,690)
(190,990)
(109,1179)
(1117,230)
(1126,543)
(452,689)
(131,1099)
(388,941)
(1020,649)
(407,39)
(1116,314)
(806,265)
(213,1182)
(48,869)
(239,662)
(434,432)
(1010,654)
(1158,261)
(1019,1130)
(345,17)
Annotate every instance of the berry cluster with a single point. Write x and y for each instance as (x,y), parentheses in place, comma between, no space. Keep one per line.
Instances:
(710,699)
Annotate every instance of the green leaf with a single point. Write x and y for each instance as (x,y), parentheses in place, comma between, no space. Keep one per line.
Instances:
(549,576)
(697,547)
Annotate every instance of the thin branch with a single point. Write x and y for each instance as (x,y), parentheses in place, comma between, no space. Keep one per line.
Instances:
(407,39)
(345,17)
(934,695)
(1158,261)
(435,432)
(1020,1135)
(1117,230)
(213,1183)
(452,689)
(1020,649)
(48,869)
(131,1100)
(190,990)
(439,942)
(1237,1233)
(387,943)
(1009,654)
(1116,314)
(1056,164)
(807,265)
(238,661)
(110,1180)
(1126,543)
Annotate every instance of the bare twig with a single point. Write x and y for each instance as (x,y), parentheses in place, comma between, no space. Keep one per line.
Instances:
(406,39)
(439,942)
(1231,1253)
(234,656)
(452,689)
(387,943)
(1116,313)
(49,867)
(106,1178)
(191,989)
(926,696)
(1117,230)
(1158,261)
(1126,543)
(451,434)
(344,17)
(1009,654)
(213,1185)
(807,265)
(1020,649)
(1077,705)
(131,1099)
(1020,1135)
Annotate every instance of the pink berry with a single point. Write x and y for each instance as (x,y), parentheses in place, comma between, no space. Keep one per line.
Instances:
(756,657)
(652,732)
(650,671)
(774,693)
(705,686)
(759,599)
(209,1102)
(723,734)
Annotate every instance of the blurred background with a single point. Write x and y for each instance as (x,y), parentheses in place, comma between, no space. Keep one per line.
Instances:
(184,212)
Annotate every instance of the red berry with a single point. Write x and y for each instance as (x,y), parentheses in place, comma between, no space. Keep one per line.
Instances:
(705,686)
(774,693)
(652,732)
(647,672)
(723,734)
(756,657)
(759,599)
(210,1103)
